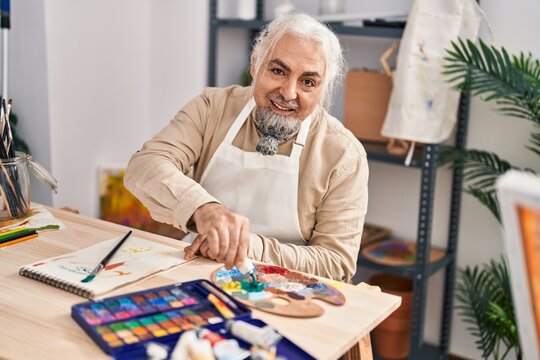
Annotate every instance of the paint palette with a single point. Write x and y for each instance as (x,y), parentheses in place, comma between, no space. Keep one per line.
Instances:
(122,325)
(280,291)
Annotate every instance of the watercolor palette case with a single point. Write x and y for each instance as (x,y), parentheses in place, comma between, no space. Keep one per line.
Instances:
(122,325)
(279,290)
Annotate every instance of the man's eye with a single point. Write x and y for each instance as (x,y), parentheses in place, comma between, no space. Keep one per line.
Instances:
(308,83)
(277,71)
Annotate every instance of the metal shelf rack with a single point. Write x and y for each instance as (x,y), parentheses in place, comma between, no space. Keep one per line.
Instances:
(425,160)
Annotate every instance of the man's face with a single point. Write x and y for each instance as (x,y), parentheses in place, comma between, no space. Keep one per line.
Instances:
(291,83)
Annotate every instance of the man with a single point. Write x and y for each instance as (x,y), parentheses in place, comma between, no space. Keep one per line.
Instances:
(275,177)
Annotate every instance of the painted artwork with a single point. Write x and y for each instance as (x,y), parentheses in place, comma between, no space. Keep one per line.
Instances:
(277,290)
(135,260)
(529,219)
(118,205)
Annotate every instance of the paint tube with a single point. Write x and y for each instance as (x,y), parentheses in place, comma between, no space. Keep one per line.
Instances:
(180,351)
(263,354)
(209,335)
(263,337)
(156,351)
(230,350)
(200,350)
(247,267)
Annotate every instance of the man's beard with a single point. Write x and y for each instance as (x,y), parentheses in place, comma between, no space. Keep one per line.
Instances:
(274,128)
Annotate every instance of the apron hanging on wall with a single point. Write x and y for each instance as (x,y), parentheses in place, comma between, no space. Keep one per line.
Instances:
(422,105)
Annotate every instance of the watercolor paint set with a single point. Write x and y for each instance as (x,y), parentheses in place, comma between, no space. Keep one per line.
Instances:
(123,325)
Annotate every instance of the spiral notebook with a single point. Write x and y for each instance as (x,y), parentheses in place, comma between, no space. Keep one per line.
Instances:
(136,259)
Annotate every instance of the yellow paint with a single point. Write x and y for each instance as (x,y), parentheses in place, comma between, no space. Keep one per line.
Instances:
(232,286)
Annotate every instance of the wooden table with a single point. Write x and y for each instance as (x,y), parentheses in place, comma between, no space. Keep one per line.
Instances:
(35,321)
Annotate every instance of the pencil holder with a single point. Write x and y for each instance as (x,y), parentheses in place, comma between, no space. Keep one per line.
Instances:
(14,186)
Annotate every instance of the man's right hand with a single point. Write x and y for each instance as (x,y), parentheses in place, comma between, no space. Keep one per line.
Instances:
(225,232)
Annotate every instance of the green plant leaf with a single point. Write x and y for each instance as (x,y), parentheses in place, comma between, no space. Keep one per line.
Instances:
(535,143)
(494,75)
(484,301)
(472,304)
(488,199)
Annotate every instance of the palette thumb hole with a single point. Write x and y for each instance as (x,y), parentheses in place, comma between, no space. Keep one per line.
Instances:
(127,326)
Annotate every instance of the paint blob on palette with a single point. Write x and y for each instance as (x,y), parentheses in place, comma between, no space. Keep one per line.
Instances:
(278,290)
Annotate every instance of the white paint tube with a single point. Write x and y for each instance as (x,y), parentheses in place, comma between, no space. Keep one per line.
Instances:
(264,337)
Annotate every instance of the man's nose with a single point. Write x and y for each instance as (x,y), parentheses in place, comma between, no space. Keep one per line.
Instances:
(288,90)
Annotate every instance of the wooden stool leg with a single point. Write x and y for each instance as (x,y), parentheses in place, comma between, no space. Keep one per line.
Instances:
(360,351)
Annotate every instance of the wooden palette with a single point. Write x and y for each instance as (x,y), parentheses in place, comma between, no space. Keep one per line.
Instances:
(283,292)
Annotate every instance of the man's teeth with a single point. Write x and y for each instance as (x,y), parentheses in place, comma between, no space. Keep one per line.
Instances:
(280,107)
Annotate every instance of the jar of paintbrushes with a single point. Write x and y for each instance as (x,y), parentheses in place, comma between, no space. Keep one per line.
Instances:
(15,186)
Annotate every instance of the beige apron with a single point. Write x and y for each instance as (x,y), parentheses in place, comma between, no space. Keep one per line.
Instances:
(262,188)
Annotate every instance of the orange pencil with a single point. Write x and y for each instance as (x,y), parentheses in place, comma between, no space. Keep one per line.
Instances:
(24,238)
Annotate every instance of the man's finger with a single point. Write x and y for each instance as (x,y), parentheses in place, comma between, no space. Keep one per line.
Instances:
(203,249)
(191,250)
(213,240)
(231,254)
(243,245)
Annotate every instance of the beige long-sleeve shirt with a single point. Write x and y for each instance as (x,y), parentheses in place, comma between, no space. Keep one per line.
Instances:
(332,188)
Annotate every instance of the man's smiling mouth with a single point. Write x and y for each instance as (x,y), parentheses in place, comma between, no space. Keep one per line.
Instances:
(279,107)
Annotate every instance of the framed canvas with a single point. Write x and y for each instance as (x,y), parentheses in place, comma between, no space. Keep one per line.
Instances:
(519,197)
(118,205)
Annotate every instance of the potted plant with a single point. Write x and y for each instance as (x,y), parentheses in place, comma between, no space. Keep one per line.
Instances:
(512,82)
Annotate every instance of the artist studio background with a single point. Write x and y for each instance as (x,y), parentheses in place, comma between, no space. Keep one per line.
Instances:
(92,80)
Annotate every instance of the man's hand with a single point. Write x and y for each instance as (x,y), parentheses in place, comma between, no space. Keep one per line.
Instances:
(223,235)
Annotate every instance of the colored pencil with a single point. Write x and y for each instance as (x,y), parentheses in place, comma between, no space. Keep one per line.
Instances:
(106,259)
(16,235)
(21,239)
(11,231)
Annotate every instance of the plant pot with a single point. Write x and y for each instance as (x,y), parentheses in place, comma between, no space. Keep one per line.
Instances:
(391,337)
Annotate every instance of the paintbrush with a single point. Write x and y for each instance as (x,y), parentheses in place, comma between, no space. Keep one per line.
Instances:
(106,259)
(220,295)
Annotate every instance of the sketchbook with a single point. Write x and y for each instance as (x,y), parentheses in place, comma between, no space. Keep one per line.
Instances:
(137,259)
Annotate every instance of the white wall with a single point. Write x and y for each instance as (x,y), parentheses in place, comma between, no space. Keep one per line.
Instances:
(178,50)
(92,80)
(117,72)
(28,84)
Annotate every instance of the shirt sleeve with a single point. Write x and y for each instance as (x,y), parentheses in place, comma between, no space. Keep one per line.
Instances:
(157,174)
(333,247)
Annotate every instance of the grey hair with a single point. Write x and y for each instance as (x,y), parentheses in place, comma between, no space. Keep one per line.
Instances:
(307,28)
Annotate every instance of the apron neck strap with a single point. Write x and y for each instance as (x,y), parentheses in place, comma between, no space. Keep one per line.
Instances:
(240,119)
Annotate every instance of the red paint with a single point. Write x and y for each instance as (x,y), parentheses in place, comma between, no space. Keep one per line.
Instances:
(113,266)
(40,263)
(270,269)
